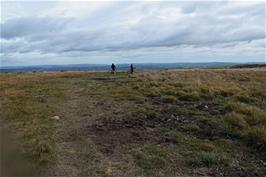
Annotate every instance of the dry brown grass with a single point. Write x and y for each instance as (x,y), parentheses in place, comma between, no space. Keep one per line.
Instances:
(167,123)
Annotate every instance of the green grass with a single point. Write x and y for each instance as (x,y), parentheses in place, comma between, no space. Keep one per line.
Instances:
(169,99)
(176,121)
(151,158)
(29,108)
(204,159)
(236,120)
(256,137)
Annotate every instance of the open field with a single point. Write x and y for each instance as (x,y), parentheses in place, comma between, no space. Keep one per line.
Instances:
(205,122)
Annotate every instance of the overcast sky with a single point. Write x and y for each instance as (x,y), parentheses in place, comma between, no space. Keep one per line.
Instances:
(64,32)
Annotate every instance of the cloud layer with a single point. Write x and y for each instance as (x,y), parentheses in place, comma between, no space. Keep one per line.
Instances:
(104,32)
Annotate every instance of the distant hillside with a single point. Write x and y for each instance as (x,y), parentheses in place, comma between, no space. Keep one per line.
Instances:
(105,67)
(249,66)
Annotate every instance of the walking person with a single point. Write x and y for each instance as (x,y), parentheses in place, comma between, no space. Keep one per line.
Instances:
(131,69)
(113,67)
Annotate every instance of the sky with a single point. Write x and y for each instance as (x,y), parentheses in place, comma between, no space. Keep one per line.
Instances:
(103,32)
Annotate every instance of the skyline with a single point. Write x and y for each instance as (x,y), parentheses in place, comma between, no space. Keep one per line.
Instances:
(52,33)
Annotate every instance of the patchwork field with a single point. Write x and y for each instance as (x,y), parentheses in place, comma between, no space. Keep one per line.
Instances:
(205,122)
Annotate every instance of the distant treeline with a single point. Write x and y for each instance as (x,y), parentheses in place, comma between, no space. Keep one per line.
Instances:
(249,66)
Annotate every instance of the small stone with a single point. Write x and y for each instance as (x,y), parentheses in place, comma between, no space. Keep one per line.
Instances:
(109,171)
(172,116)
(202,171)
(55,117)
(263,163)
(185,121)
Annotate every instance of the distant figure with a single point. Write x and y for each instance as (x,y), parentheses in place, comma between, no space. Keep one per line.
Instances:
(113,68)
(131,69)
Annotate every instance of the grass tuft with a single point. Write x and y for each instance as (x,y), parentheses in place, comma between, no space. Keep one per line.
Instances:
(151,158)
(193,96)
(169,99)
(236,120)
(256,138)
(206,159)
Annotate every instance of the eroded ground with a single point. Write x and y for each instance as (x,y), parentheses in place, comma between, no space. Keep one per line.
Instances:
(167,123)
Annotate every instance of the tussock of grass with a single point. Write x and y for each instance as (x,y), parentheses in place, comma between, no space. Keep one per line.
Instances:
(225,160)
(244,98)
(254,115)
(224,143)
(192,96)
(236,120)
(191,127)
(169,99)
(206,93)
(256,137)
(135,97)
(224,93)
(204,159)
(168,90)
(206,146)
(151,158)
(151,92)
(214,126)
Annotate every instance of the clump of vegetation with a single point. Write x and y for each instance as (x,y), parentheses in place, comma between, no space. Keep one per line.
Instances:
(168,90)
(134,97)
(214,127)
(151,158)
(191,127)
(225,160)
(256,138)
(193,96)
(224,144)
(224,93)
(206,159)
(236,120)
(206,93)
(254,115)
(244,98)
(206,146)
(169,99)
(139,111)
(150,92)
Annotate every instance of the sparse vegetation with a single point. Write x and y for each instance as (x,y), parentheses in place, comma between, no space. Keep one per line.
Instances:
(236,120)
(151,159)
(167,123)
(256,137)
(169,99)
(204,159)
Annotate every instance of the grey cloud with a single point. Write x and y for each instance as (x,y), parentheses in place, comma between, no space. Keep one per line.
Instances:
(26,26)
(137,25)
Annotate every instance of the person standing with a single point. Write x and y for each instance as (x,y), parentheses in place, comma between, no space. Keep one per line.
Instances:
(113,67)
(131,69)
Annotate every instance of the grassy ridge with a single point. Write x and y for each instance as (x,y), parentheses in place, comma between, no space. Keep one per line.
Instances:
(168,123)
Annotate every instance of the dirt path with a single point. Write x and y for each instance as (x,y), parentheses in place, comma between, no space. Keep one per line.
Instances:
(76,153)
(66,146)
(69,141)
(81,152)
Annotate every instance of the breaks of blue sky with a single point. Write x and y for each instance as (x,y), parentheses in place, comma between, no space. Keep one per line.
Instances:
(69,32)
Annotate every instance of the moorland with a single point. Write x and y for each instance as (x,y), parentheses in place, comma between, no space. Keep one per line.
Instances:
(187,122)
